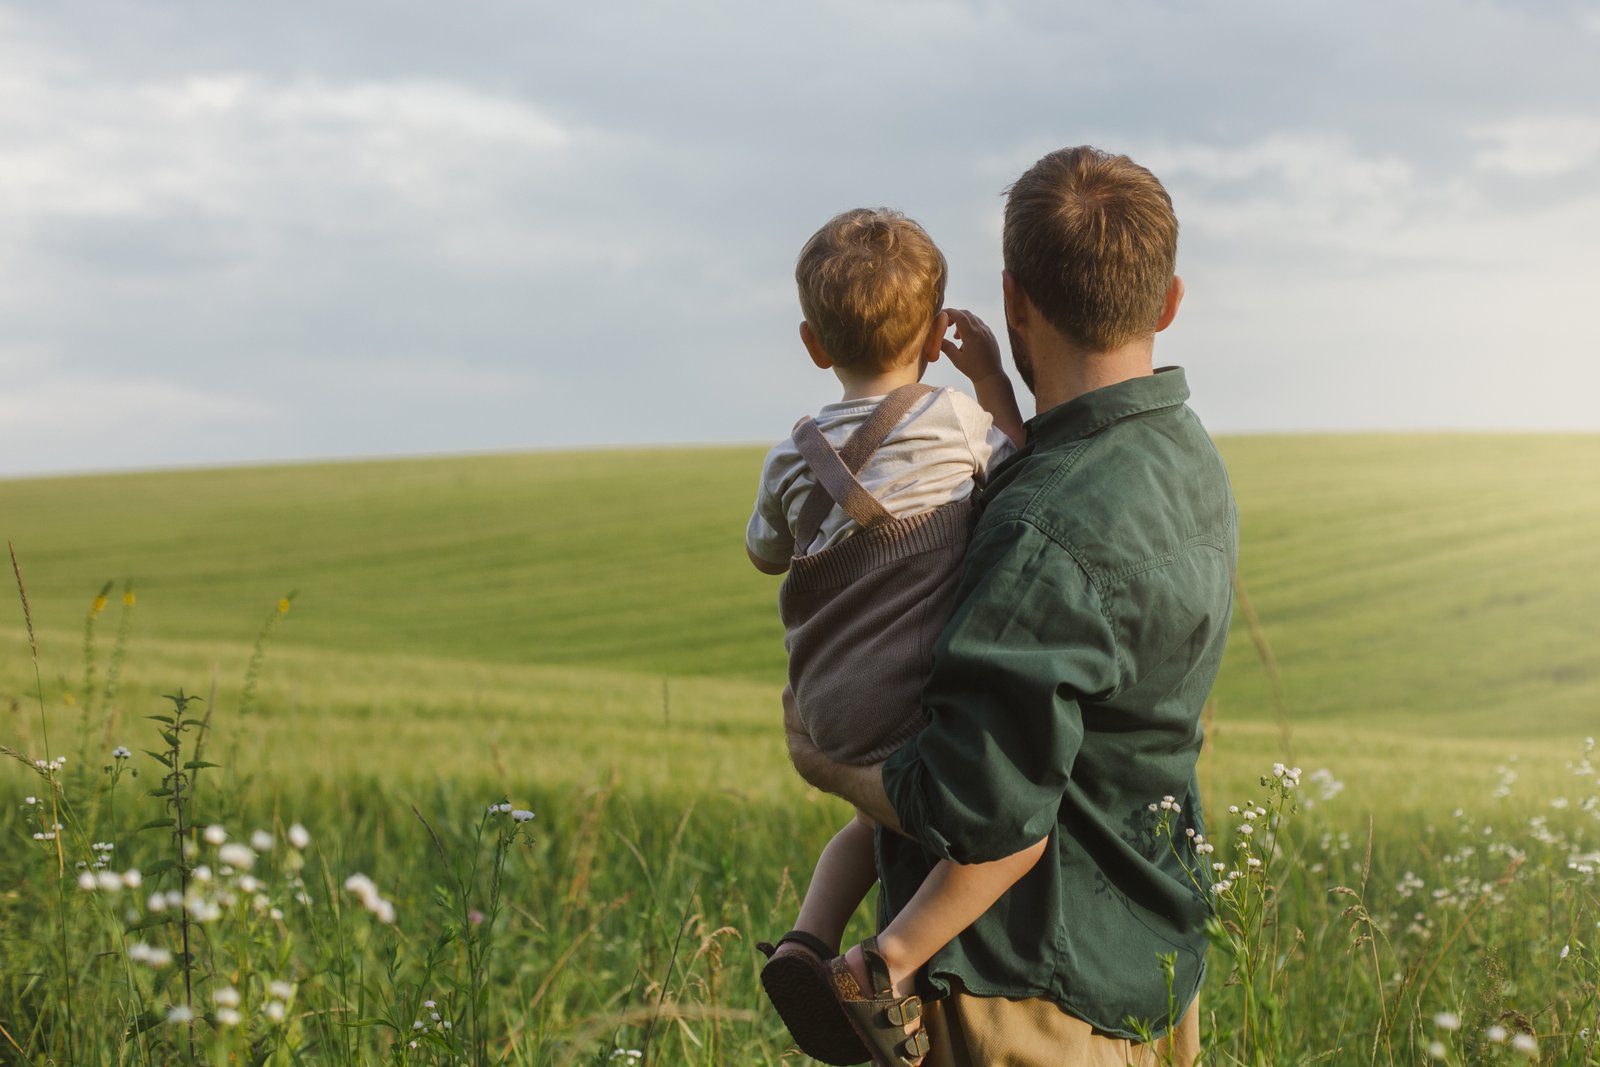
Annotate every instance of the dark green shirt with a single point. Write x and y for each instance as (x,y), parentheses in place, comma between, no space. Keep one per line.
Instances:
(1065,699)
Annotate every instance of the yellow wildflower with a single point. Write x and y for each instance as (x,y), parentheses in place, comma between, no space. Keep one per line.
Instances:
(127,599)
(99,605)
(283,606)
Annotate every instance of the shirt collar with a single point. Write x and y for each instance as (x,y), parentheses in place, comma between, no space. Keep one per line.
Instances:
(1092,412)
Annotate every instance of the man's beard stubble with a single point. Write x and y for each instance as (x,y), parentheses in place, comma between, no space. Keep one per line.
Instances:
(1020,356)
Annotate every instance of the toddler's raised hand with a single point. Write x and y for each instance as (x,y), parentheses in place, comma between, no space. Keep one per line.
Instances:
(975,354)
(973,349)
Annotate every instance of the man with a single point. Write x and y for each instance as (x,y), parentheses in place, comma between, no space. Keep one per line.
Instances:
(1066,690)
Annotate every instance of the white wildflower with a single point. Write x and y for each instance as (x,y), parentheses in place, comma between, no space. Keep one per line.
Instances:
(280,989)
(180,1013)
(132,878)
(108,881)
(202,910)
(261,841)
(153,955)
(1564,950)
(86,882)
(367,892)
(1525,1044)
(228,1017)
(521,815)
(238,856)
(273,1011)
(157,902)
(215,834)
(1447,1020)
(1437,1051)
(1496,1034)
(120,753)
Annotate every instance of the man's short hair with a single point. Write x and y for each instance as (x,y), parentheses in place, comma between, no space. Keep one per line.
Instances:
(1092,240)
(871,282)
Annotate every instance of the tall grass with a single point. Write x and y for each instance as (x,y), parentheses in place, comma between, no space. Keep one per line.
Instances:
(350,920)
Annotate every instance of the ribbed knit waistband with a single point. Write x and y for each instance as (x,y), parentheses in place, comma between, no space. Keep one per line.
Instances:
(875,547)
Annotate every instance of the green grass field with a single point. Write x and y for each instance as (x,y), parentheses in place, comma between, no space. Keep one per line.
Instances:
(581,632)
(1436,590)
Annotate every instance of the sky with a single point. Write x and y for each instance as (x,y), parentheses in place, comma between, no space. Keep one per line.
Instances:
(241,233)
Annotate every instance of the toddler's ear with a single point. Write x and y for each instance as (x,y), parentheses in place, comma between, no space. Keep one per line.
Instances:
(814,346)
(932,344)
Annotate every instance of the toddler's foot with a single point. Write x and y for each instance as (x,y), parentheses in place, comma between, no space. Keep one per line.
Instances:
(796,981)
(883,1009)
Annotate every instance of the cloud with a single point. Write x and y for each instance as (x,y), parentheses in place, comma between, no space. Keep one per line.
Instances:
(238,144)
(522,226)
(1539,146)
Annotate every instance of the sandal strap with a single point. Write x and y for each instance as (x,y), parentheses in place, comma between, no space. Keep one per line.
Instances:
(803,939)
(877,969)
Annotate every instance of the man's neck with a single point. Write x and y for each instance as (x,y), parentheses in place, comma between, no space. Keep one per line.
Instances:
(1064,372)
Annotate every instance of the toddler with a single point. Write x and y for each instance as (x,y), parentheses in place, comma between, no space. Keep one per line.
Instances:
(867,507)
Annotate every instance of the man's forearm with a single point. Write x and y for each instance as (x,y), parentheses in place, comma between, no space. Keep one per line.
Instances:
(861,786)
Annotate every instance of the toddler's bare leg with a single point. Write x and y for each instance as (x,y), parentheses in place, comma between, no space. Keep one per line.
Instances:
(845,871)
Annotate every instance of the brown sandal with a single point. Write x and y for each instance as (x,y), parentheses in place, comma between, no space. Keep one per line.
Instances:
(879,1018)
(798,986)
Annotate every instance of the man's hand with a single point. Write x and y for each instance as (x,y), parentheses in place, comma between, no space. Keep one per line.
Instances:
(861,786)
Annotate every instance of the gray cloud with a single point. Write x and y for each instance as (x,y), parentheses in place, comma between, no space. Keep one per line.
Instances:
(246,232)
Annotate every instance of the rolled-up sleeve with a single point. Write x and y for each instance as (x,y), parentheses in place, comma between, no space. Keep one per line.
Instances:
(1027,643)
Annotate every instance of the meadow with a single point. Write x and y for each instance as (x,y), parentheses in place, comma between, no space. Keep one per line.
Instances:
(386,649)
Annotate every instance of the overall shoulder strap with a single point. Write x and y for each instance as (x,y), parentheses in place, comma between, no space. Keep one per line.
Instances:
(869,436)
(836,471)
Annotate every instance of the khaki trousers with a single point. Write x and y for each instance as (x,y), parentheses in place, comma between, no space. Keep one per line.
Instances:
(969,1031)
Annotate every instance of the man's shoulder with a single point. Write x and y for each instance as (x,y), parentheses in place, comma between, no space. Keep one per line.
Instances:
(1134,490)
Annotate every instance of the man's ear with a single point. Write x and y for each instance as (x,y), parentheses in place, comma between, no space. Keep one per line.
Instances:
(814,346)
(932,344)
(1018,307)
(1169,308)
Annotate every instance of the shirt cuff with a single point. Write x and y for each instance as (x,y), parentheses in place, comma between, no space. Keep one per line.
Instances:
(904,776)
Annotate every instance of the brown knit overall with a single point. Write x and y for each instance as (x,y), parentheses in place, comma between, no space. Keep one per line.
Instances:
(860,617)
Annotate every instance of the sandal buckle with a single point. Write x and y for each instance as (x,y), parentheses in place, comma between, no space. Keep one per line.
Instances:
(904,1012)
(915,1046)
